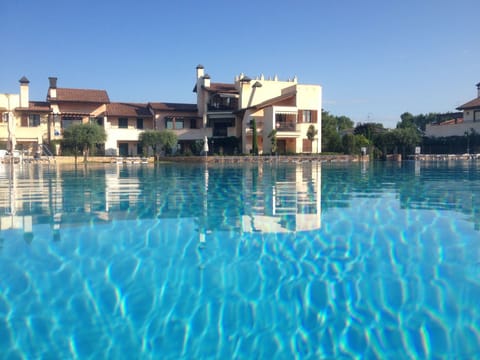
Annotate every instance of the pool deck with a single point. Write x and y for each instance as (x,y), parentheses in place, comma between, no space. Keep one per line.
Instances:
(266,159)
(231,159)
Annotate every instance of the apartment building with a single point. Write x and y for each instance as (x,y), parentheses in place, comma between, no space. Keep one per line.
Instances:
(459,126)
(284,109)
(24,123)
(223,112)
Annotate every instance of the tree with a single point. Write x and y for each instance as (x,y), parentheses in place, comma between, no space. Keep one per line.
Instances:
(406,139)
(83,138)
(311,133)
(352,144)
(273,140)
(369,130)
(253,126)
(420,121)
(168,141)
(332,126)
(149,139)
(348,143)
(164,140)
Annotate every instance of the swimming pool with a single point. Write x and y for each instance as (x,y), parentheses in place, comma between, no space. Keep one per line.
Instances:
(277,261)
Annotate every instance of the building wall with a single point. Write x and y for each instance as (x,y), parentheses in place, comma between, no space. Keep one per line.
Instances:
(187,133)
(250,95)
(253,92)
(451,130)
(472,115)
(8,102)
(131,134)
(72,107)
(309,97)
(31,134)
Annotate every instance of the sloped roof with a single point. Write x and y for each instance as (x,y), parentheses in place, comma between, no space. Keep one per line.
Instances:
(127,109)
(82,95)
(451,121)
(36,106)
(275,100)
(222,88)
(475,103)
(164,106)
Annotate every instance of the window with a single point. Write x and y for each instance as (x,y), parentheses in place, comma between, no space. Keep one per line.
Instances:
(476,116)
(193,123)
(179,124)
(139,123)
(307,116)
(122,123)
(174,123)
(30,120)
(220,130)
(123,149)
(96,120)
(70,120)
(169,123)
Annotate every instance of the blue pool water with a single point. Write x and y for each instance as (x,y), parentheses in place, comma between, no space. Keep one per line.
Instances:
(273,261)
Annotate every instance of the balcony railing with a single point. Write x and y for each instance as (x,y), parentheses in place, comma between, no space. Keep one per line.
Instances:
(286,126)
(220,107)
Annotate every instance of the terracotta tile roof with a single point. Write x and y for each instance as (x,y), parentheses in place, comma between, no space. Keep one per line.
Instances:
(163,106)
(82,95)
(451,121)
(127,109)
(475,103)
(36,106)
(222,88)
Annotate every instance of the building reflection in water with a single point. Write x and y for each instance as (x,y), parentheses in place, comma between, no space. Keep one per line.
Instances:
(215,198)
(288,200)
(249,198)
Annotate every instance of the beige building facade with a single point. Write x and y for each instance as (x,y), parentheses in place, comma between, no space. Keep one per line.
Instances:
(24,123)
(283,111)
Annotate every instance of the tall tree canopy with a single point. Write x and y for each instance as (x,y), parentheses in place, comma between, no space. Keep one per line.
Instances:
(84,137)
(164,140)
(370,130)
(420,121)
(332,126)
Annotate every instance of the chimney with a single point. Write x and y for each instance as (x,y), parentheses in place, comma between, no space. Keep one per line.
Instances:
(200,71)
(478,90)
(52,91)
(202,96)
(53,82)
(206,81)
(24,96)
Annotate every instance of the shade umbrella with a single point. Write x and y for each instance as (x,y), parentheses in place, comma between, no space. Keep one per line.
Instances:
(205,145)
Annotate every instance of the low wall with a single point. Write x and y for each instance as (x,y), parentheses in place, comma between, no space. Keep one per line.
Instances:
(192,159)
(444,157)
(289,158)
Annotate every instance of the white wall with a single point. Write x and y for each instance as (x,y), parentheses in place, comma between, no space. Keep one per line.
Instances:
(451,130)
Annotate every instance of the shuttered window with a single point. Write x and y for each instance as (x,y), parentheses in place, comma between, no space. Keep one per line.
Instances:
(307,146)
(307,116)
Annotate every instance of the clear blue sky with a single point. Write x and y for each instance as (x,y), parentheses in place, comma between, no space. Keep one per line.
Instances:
(374,58)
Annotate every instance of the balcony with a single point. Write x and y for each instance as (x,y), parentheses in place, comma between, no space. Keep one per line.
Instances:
(286,126)
(286,121)
(222,103)
(220,107)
